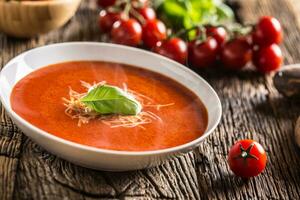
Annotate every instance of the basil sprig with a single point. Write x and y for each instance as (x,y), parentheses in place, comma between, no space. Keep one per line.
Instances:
(106,99)
(180,14)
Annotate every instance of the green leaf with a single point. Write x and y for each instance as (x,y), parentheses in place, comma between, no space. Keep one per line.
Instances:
(224,12)
(180,14)
(106,99)
(173,12)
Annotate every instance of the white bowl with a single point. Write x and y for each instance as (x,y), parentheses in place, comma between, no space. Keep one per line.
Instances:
(92,157)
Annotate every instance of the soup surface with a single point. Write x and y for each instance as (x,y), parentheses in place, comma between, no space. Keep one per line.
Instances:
(38,99)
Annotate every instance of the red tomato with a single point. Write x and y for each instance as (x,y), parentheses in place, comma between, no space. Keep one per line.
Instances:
(147,13)
(203,54)
(153,32)
(106,3)
(247,158)
(219,33)
(267,31)
(126,32)
(236,53)
(174,48)
(267,59)
(107,19)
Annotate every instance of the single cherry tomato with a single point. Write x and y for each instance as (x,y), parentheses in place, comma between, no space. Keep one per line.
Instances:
(247,158)
(203,54)
(147,13)
(268,58)
(107,19)
(267,31)
(219,33)
(106,3)
(153,32)
(236,53)
(174,48)
(126,32)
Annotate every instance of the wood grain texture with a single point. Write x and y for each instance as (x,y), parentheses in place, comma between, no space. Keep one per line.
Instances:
(252,109)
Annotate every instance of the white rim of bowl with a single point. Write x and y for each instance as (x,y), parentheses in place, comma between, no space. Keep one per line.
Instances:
(108,151)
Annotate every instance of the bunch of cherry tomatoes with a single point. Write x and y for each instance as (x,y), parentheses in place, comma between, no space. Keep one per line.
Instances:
(134,23)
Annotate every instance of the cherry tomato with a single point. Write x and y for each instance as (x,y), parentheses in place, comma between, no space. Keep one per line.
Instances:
(106,3)
(126,32)
(247,158)
(107,19)
(236,53)
(153,32)
(203,54)
(267,59)
(147,13)
(219,33)
(267,31)
(174,48)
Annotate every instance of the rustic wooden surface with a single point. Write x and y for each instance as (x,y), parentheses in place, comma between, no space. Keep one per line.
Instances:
(252,109)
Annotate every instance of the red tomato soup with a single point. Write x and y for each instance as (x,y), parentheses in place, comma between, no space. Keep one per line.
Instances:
(38,99)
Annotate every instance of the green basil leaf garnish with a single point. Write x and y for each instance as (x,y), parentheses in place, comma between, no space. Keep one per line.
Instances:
(106,99)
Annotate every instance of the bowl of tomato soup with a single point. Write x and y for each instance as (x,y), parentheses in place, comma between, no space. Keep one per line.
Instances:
(107,106)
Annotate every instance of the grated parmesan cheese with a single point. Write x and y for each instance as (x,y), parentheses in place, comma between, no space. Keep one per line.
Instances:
(75,109)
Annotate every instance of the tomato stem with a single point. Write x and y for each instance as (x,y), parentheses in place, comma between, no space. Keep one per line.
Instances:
(137,15)
(184,32)
(127,8)
(202,36)
(246,153)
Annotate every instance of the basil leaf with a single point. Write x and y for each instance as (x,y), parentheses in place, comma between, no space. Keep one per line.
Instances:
(186,13)
(173,13)
(106,99)
(225,12)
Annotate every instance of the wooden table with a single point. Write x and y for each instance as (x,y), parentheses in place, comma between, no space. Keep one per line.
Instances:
(252,109)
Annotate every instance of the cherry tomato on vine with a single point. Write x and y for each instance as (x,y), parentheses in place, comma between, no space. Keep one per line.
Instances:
(147,13)
(247,158)
(126,32)
(153,32)
(236,53)
(267,31)
(174,48)
(106,3)
(203,54)
(107,19)
(267,59)
(219,33)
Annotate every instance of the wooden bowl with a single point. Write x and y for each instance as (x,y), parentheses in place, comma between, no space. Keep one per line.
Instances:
(29,18)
